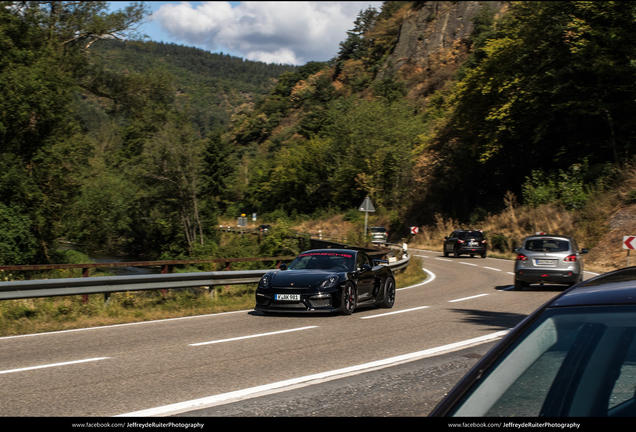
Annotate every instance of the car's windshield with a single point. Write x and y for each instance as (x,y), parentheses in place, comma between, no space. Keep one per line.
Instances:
(547,245)
(335,261)
(573,362)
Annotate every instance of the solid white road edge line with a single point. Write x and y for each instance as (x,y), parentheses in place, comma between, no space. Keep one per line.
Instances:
(53,365)
(290,384)
(430,278)
(252,336)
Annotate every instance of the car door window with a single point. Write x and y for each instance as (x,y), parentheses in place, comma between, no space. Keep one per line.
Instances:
(625,385)
(569,364)
(360,261)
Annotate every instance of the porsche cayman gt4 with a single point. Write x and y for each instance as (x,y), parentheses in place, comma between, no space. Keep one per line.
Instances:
(327,280)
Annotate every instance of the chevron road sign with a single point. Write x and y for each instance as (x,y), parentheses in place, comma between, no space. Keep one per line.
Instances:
(629,242)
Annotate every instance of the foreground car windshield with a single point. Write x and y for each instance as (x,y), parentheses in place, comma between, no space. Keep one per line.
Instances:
(323,261)
(573,362)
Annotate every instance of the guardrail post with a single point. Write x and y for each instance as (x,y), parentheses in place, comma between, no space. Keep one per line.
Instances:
(228,266)
(85,273)
(165,270)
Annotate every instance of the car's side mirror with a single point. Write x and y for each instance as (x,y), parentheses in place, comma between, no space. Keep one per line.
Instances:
(584,251)
(364,268)
(283,266)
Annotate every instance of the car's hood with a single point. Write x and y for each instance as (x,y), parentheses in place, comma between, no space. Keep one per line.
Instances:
(299,278)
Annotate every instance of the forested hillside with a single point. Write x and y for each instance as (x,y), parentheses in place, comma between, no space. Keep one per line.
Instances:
(537,100)
(430,108)
(209,85)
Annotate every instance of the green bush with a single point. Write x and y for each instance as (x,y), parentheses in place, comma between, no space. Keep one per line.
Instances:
(567,187)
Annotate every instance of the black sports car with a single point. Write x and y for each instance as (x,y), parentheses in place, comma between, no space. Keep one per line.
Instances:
(326,280)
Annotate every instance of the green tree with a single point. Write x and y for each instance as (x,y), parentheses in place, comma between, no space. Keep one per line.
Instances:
(356,46)
(170,172)
(554,85)
(45,54)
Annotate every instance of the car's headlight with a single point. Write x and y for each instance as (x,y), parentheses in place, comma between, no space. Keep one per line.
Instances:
(264,282)
(330,282)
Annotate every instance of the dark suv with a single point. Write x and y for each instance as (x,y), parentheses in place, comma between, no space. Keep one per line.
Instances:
(468,242)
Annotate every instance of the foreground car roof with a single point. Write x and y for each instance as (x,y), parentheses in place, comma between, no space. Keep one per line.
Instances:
(617,287)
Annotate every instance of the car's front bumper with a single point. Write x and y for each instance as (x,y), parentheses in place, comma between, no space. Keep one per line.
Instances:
(314,301)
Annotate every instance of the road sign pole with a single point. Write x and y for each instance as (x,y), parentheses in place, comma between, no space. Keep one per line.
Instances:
(366,207)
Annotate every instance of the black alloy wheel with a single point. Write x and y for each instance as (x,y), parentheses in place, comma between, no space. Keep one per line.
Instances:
(389,293)
(348,300)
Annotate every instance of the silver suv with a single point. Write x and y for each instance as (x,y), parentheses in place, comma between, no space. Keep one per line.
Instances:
(544,258)
(379,235)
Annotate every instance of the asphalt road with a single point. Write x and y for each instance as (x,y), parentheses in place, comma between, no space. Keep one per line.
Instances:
(376,362)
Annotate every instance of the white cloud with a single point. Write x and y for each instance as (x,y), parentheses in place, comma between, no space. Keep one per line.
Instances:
(274,32)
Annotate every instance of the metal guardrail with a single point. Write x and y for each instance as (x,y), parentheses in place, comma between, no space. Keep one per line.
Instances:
(110,284)
(12,290)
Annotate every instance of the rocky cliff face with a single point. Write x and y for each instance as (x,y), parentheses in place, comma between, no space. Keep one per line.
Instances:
(433,42)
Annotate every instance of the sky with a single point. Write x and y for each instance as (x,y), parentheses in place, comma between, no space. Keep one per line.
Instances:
(285,32)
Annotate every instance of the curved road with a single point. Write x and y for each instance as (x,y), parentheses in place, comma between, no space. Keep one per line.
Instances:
(376,362)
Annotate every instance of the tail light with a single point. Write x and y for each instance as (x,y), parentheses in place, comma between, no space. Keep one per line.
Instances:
(460,241)
(522,257)
(570,258)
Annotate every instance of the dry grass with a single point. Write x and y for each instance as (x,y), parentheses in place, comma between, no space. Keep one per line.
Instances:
(333,227)
(40,315)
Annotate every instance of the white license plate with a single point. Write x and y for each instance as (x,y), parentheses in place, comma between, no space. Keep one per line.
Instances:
(545,262)
(290,297)
(472,243)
